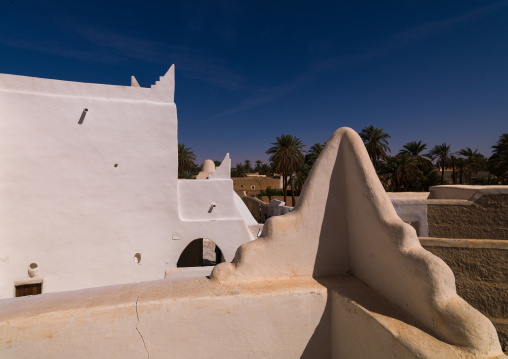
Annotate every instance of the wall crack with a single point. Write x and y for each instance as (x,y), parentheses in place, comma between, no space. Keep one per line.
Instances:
(141,335)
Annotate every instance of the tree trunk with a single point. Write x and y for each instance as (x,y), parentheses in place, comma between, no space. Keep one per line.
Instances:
(442,174)
(292,191)
(454,177)
(285,186)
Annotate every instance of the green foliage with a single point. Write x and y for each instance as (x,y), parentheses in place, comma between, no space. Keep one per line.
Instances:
(270,192)
(409,170)
(247,166)
(266,170)
(498,162)
(257,167)
(186,158)
(485,181)
(313,154)
(441,154)
(186,175)
(286,158)
(238,171)
(376,142)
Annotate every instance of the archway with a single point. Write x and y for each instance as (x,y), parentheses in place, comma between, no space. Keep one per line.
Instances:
(200,252)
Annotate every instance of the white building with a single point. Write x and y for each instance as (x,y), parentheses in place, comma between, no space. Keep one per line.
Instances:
(89,194)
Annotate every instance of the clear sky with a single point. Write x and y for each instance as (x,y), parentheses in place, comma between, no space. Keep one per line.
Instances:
(248,71)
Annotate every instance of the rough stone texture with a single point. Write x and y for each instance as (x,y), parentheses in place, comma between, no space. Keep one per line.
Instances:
(482,280)
(486,218)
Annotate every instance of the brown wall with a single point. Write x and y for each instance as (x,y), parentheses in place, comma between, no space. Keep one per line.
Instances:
(241,184)
(487,218)
(255,206)
(482,280)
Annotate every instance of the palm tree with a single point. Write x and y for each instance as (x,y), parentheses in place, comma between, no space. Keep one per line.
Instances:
(186,158)
(498,162)
(265,169)
(238,171)
(247,166)
(441,154)
(462,167)
(301,176)
(313,153)
(407,170)
(475,161)
(400,172)
(286,157)
(376,142)
(415,149)
(257,168)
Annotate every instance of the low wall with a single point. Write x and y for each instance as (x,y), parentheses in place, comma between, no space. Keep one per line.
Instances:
(257,208)
(475,212)
(339,318)
(261,211)
(485,218)
(481,275)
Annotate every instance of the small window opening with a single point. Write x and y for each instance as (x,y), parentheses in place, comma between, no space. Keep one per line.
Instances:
(252,187)
(28,289)
(137,258)
(115,165)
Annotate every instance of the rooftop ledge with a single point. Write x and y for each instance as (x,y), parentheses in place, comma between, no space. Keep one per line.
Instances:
(162,91)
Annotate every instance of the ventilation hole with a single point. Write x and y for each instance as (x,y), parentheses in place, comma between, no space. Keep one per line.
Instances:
(137,258)
(116,165)
(33,265)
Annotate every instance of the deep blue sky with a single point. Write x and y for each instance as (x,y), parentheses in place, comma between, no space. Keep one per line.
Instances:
(248,71)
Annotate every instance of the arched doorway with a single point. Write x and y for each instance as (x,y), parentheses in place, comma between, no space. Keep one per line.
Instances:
(200,252)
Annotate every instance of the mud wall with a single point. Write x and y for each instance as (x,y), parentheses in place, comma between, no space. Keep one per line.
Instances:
(258,209)
(486,218)
(481,276)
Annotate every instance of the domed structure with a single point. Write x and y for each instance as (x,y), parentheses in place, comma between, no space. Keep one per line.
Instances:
(208,166)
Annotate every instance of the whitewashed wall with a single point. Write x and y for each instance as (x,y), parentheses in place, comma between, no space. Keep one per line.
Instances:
(82,192)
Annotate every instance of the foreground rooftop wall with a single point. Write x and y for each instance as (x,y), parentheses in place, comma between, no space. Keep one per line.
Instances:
(340,277)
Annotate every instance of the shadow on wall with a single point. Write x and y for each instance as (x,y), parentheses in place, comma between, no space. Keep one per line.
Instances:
(333,246)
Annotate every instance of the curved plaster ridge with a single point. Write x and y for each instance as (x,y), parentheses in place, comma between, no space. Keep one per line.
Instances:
(345,223)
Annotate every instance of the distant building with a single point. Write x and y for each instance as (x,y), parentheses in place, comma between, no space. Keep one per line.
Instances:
(253,184)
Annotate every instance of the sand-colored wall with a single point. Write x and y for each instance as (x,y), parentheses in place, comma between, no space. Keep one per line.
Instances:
(485,218)
(340,318)
(241,184)
(257,208)
(481,275)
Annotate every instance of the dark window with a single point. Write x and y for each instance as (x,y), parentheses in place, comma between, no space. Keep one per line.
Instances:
(28,289)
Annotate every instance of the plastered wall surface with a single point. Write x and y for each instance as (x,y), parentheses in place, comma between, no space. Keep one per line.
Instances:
(480,268)
(84,191)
